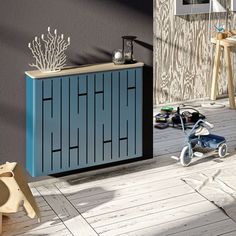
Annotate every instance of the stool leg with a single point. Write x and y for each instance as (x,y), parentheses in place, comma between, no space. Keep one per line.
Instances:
(215,71)
(229,77)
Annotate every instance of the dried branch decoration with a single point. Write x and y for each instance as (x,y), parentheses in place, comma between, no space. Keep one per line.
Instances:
(49,51)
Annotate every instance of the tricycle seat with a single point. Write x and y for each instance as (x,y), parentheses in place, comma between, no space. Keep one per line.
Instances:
(202,131)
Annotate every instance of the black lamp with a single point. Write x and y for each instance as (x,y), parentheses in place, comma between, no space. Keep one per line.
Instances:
(127,47)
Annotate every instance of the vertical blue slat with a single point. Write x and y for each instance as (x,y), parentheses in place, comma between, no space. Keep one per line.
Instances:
(107,152)
(47,136)
(91,121)
(65,123)
(99,98)
(74,162)
(38,128)
(99,82)
(30,158)
(47,88)
(52,123)
(131,122)
(74,105)
(131,112)
(83,126)
(34,126)
(56,114)
(74,122)
(139,104)
(99,128)
(78,118)
(123,104)
(56,161)
(82,86)
(123,149)
(107,116)
(115,115)
(131,78)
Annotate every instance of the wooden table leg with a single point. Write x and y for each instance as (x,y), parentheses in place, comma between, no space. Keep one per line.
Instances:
(229,77)
(215,71)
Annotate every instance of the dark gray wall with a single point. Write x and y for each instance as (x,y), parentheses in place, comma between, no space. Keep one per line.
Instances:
(95,28)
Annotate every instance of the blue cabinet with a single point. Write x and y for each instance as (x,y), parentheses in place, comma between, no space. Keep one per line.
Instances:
(75,121)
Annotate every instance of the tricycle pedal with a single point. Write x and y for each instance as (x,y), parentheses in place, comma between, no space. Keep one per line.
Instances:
(175,158)
(198,154)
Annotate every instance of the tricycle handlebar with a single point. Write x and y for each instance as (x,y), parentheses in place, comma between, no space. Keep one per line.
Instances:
(209,124)
(195,125)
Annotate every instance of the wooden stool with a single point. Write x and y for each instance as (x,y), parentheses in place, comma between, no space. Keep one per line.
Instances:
(226,44)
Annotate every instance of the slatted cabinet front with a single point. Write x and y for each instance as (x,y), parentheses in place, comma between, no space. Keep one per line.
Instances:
(83,120)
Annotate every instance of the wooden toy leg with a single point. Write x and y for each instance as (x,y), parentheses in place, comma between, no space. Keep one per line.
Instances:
(0,223)
(229,77)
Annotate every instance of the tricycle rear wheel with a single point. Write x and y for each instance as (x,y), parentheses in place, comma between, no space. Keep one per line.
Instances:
(222,151)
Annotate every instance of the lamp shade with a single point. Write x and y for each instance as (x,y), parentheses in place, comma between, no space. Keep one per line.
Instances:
(217,7)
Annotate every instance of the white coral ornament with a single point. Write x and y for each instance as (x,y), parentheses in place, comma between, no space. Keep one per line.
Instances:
(49,51)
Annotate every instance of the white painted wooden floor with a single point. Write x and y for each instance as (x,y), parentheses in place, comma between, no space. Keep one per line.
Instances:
(143,198)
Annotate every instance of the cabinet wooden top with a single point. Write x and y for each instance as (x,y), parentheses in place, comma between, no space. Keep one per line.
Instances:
(36,74)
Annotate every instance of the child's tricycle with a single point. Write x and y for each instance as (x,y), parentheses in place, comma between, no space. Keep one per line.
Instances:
(201,137)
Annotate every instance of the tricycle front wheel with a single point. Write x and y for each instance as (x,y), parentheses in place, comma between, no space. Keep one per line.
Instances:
(222,151)
(186,156)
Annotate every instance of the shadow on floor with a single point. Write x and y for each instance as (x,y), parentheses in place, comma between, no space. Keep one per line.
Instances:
(49,205)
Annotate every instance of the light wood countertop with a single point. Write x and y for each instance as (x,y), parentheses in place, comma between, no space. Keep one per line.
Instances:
(36,74)
(225,42)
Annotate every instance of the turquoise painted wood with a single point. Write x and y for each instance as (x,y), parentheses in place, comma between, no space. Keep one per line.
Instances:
(85,120)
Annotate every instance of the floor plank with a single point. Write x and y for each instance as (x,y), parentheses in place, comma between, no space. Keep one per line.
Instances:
(123,191)
(181,225)
(213,229)
(98,208)
(20,224)
(157,218)
(72,219)
(231,233)
(154,206)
